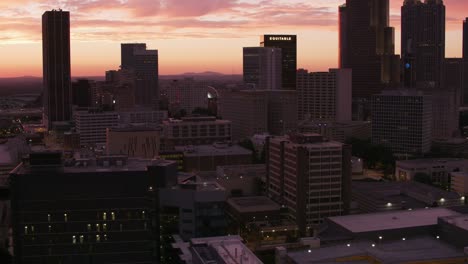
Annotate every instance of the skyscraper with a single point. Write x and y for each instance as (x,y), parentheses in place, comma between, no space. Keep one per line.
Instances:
(288,46)
(465,62)
(423,40)
(263,68)
(367,46)
(144,65)
(56,67)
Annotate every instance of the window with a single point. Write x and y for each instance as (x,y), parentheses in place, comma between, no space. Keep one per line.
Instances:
(74,239)
(89,227)
(112,216)
(65,217)
(98,228)
(104,227)
(48,217)
(81,239)
(98,238)
(25,230)
(104,216)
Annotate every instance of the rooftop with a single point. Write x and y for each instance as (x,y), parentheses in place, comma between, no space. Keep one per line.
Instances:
(228,249)
(407,251)
(253,204)
(392,219)
(213,150)
(460,221)
(426,162)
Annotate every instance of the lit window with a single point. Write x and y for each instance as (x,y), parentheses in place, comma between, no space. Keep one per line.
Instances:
(104,216)
(89,227)
(81,239)
(65,217)
(74,239)
(113,216)
(98,228)
(98,238)
(48,217)
(50,228)
(104,227)
(105,237)
(32,229)
(25,230)
(143,214)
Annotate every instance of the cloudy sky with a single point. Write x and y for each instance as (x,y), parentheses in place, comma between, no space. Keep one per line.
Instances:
(191,35)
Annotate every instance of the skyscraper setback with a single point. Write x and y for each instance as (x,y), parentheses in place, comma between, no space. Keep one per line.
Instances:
(56,67)
(367,46)
(144,65)
(423,40)
(288,46)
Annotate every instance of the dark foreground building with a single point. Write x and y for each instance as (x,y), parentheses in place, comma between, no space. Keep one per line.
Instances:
(92,211)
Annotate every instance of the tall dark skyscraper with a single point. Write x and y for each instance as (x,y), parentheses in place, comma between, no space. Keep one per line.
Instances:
(465,62)
(56,67)
(423,41)
(288,46)
(144,65)
(262,68)
(367,46)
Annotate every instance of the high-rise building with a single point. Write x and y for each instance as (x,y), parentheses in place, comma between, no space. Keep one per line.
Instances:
(453,78)
(83,93)
(144,65)
(288,46)
(263,68)
(423,41)
(102,210)
(310,176)
(56,67)
(367,46)
(324,96)
(465,62)
(402,121)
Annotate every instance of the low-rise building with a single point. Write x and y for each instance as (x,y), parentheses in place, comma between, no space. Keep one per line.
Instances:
(196,131)
(135,142)
(386,196)
(437,169)
(243,180)
(246,210)
(209,157)
(219,250)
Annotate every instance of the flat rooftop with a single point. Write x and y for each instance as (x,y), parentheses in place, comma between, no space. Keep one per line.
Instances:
(230,249)
(425,162)
(211,150)
(5,156)
(408,251)
(460,221)
(392,219)
(253,204)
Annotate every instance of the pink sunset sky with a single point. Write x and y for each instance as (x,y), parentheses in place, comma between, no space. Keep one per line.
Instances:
(191,35)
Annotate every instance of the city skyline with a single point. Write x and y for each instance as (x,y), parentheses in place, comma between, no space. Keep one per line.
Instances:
(189,39)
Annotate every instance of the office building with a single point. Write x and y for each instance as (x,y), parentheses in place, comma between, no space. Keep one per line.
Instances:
(56,67)
(209,157)
(423,40)
(367,47)
(134,142)
(288,46)
(197,206)
(337,131)
(465,62)
(99,210)
(244,180)
(324,96)
(438,170)
(445,114)
(143,64)
(282,111)
(258,112)
(83,93)
(187,95)
(142,116)
(91,124)
(310,176)
(196,131)
(402,121)
(459,183)
(453,78)
(262,68)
